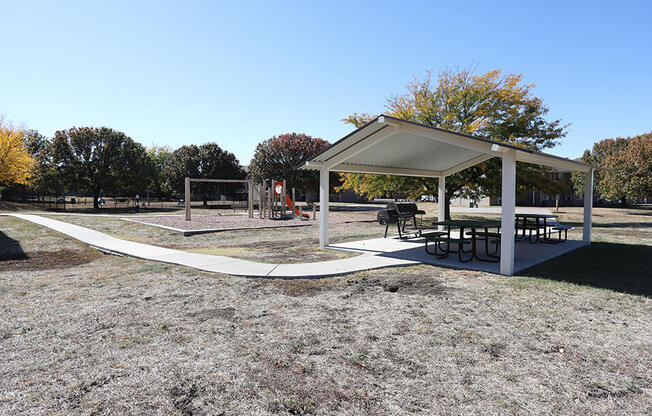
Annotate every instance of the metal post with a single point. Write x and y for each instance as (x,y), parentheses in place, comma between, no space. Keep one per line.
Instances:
(187,199)
(294,201)
(588,206)
(283,201)
(270,195)
(301,213)
(250,198)
(260,201)
(323,207)
(508,211)
(314,211)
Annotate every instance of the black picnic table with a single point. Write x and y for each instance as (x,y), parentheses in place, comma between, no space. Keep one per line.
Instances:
(473,226)
(540,220)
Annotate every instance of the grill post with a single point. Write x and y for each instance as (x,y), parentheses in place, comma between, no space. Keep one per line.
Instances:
(187,197)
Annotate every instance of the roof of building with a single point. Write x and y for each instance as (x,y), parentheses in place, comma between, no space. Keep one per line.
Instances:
(389,145)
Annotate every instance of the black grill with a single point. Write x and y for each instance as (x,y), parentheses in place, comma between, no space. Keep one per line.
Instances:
(399,213)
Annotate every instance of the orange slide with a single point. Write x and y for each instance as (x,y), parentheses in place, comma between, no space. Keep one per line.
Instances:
(288,202)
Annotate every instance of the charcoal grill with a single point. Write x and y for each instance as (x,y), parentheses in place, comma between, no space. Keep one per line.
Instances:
(400,213)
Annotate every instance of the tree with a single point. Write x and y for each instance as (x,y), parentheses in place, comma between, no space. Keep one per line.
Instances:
(98,161)
(207,161)
(48,178)
(598,156)
(278,158)
(159,157)
(488,105)
(16,162)
(36,145)
(629,173)
(35,142)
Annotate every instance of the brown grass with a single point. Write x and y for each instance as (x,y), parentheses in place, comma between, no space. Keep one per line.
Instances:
(121,336)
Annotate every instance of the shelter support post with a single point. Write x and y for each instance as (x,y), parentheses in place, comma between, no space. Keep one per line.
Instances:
(588,206)
(186,201)
(508,211)
(441,199)
(323,207)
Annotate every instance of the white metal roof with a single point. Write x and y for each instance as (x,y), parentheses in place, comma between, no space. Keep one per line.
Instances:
(388,145)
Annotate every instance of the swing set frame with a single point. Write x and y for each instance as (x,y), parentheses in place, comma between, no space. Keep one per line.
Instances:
(250,190)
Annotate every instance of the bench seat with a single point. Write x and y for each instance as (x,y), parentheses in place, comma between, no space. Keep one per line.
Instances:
(445,239)
(430,234)
(562,227)
(483,234)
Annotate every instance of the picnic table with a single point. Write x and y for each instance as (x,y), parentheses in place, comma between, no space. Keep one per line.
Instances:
(432,234)
(535,222)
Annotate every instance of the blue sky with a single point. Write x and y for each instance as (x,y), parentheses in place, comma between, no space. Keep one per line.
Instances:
(237,73)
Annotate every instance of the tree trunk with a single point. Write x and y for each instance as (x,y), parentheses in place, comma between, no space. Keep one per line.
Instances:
(205,200)
(447,208)
(96,205)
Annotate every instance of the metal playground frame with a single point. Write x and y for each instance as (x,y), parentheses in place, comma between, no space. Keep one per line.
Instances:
(250,190)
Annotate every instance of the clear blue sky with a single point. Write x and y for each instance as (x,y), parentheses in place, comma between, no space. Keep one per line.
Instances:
(238,73)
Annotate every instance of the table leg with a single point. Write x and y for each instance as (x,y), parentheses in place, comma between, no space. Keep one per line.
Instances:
(448,240)
(524,226)
(548,238)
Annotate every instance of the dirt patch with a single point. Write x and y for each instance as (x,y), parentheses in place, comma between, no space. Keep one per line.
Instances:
(46,260)
(403,284)
(411,281)
(206,314)
(182,398)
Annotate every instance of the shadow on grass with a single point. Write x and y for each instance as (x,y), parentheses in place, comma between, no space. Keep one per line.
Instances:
(625,268)
(10,249)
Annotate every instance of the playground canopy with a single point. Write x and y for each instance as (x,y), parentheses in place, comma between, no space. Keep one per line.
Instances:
(391,146)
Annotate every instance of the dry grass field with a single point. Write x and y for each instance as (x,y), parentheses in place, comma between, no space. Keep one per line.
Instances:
(86,333)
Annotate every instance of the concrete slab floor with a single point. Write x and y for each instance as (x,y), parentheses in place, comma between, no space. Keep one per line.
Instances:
(526,255)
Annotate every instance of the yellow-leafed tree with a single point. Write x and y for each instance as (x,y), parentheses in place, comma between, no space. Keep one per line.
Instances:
(15,161)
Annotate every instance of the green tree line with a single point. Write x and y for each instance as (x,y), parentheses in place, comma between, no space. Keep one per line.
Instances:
(100,161)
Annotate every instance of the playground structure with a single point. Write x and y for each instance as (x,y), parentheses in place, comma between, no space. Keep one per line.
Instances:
(273,200)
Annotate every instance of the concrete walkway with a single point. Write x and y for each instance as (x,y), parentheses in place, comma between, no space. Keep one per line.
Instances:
(217,264)
(375,253)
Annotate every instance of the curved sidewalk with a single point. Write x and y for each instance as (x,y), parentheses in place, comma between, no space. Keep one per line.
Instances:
(217,264)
